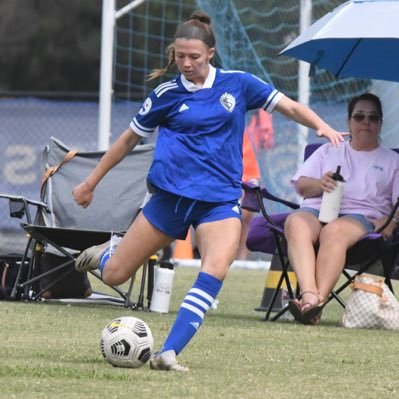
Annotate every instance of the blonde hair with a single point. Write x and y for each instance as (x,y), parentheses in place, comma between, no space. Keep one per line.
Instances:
(197,27)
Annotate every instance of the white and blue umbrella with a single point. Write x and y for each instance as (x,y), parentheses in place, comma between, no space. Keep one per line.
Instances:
(358,39)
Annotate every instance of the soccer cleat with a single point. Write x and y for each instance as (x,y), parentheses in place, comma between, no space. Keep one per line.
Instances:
(89,259)
(166,361)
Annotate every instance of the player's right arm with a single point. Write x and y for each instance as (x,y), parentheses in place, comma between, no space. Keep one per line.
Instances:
(83,192)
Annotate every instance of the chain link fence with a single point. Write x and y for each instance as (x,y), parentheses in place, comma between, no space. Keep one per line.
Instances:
(28,120)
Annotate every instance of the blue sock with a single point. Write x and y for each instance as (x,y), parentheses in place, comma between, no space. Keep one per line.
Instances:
(192,312)
(104,258)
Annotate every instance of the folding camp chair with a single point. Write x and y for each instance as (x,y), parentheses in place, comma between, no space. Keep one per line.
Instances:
(266,234)
(63,228)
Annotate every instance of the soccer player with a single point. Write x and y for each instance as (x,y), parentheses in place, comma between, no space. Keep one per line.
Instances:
(195,176)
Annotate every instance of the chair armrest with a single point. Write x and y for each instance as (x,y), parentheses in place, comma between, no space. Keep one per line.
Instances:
(19,206)
(389,218)
(254,194)
(250,201)
(267,195)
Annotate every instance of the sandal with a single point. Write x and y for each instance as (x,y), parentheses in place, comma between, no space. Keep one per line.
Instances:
(306,313)
(295,308)
(311,313)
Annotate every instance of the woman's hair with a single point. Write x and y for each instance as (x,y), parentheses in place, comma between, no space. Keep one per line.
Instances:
(197,27)
(365,97)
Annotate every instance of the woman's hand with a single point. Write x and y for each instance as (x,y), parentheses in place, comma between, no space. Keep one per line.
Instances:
(388,231)
(83,194)
(327,183)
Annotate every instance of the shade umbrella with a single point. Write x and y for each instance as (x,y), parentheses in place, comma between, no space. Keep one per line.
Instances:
(359,39)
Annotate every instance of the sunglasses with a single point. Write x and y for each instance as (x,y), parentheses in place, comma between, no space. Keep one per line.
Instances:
(359,117)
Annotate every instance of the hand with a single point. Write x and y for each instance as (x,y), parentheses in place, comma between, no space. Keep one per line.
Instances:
(335,137)
(83,194)
(388,231)
(327,183)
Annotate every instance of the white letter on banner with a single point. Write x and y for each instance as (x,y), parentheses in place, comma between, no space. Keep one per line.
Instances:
(16,171)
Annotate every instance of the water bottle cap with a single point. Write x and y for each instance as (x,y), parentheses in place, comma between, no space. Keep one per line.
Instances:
(166,265)
(337,174)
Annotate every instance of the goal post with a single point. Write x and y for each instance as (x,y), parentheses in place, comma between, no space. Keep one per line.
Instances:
(109,17)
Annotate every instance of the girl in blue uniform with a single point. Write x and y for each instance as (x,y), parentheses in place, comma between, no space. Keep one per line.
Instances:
(195,175)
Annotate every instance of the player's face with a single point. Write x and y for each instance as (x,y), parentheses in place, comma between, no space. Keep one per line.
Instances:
(192,58)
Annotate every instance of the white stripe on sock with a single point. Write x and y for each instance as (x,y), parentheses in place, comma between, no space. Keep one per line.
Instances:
(193,309)
(109,252)
(202,293)
(198,301)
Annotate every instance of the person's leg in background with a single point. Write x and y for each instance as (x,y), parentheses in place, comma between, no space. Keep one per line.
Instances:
(251,174)
(246,217)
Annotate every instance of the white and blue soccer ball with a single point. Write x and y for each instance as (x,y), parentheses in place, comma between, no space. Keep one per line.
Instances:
(127,342)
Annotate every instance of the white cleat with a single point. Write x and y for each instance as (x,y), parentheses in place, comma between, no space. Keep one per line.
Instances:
(89,259)
(167,361)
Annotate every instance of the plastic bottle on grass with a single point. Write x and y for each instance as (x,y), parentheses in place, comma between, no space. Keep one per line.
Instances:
(162,292)
(285,298)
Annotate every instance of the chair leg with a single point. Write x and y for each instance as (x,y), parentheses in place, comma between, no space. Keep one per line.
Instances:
(24,262)
(273,300)
(140,301)
(53,283)
(151,275)
(128,294)
(283,277)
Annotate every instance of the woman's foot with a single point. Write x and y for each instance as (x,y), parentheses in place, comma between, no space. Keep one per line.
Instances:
(312,307)
(309,309)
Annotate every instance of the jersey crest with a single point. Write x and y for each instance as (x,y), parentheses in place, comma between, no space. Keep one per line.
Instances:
(228,101)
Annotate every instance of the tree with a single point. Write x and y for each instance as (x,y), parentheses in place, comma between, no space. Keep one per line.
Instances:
(50,45)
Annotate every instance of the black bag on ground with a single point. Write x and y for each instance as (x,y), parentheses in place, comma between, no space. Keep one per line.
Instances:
(9,267)
(73,285)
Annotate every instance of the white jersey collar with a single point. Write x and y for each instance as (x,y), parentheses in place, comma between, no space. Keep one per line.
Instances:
(190,86)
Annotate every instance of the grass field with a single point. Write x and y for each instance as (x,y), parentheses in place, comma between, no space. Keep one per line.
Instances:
(52,350)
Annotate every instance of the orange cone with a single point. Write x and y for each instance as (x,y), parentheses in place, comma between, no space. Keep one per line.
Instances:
(183,248)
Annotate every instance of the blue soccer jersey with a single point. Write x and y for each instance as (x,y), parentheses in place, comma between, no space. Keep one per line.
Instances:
(198,153)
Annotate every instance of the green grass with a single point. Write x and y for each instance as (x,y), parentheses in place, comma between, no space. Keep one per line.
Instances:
(52,350)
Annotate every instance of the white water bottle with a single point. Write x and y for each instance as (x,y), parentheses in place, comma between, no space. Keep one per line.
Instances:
(331,201)
(162,292)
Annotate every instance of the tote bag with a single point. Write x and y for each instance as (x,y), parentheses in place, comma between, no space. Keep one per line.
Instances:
(371,304)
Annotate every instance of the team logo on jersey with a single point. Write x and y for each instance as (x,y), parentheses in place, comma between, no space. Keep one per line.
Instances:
(145,109)
(228,101)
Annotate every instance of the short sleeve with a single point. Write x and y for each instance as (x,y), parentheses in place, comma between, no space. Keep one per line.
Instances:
(151,114)
(313,166)
(260,94)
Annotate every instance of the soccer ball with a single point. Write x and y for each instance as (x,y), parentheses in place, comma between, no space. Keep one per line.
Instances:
(127,342)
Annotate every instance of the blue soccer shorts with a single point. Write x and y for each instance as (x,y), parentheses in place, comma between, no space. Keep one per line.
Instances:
(174,214)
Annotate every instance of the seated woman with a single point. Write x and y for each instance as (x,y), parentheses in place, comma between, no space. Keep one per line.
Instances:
(371,174)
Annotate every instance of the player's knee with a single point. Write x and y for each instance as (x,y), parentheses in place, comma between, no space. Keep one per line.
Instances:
(114,275)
